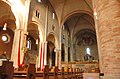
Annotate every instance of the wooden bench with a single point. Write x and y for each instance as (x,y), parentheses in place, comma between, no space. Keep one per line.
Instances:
(29,74)
(7,70)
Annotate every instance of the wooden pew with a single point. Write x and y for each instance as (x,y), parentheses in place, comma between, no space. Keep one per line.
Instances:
(20,75)
(56,72)
(7,70)
(77,73)
(46,72)
(68,73)
(62,73)
(80,74)
(31,71)
(71,73)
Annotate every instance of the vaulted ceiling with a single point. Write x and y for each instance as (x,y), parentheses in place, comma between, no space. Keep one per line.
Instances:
(75,15)
(6,16)
(66,8)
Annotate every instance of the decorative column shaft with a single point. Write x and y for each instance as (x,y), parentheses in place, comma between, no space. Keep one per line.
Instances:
(45,53)
(45,36)
(40,52)
(26,14)
(66,54)
(97,36)
(71,53)
(108,28)
(56,57)
(17,47)
(59,63)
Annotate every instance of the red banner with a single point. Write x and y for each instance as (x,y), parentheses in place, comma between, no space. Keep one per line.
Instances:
(42,57)
(19,50)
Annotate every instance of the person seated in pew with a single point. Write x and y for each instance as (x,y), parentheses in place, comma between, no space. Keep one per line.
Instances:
(3,56)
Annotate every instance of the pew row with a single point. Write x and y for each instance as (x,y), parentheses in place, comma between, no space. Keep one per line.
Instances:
(7,72)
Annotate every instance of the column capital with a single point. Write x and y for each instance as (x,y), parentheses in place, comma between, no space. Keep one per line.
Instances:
(28,0)
(45,42)
(25,33)
(18,29)
(58,49)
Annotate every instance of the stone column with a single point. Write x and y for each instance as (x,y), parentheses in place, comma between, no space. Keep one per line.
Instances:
(39,54)
(59,62)
(42,55)
(26,14)
(71,53)
(14,55)
(108,28)
(98,41)
(50,60)
(56,57)
(74,52)
(45,53)
(66,54)
(45,36)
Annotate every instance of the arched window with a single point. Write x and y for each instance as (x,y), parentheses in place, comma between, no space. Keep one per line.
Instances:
(88,51)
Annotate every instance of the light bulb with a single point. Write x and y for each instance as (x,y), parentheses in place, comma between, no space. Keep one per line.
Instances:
(36,41)
(5,25)
(53,16)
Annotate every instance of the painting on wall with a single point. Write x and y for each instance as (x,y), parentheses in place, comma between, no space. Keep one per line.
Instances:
(86,39)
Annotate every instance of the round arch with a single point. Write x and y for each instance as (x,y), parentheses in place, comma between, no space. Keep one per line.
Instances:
(73,13)
(55,38)
(52,46)
(33,39)
(15,13)
(7,17)
(38,28)
(75,28)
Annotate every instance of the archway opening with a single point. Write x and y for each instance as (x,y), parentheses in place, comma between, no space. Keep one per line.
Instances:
(7,21)
(51,53)
(63,53)
(79,38)
(32,44)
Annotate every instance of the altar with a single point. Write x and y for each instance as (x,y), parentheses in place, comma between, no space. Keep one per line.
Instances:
(85,66)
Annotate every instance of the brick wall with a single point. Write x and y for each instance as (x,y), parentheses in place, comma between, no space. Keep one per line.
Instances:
(109,36)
